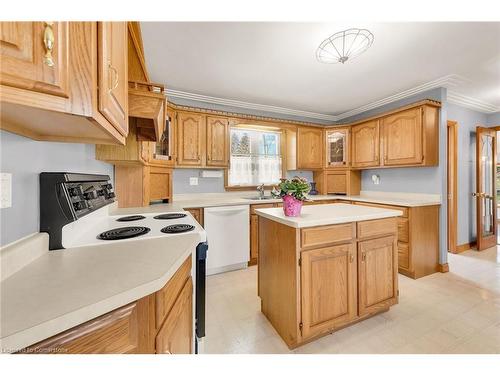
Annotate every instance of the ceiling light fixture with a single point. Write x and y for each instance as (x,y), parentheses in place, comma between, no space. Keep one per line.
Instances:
(344,45)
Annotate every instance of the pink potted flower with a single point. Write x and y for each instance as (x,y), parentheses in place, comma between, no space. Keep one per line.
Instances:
(294,193)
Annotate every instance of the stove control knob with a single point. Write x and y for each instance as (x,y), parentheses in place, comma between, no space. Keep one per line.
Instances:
(110,195)
(75,191)
(107,186)
(90,195)
(100,193)
(81,205)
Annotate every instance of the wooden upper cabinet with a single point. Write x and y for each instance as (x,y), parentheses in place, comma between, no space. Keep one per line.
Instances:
(377,270)
(113,80)
(337,148)
(365,144)
(64,81)
(176,334)
(309,148)
(190,139)
(402,137)
(217,141)
(328,277)
(35,56)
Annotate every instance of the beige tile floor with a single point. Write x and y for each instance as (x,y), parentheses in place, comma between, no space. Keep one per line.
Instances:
(455,312)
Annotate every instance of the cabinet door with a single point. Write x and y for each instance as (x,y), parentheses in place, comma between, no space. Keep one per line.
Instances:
(176,334)
(402,137)
(365,144)
(35,56)
(254,239)
(113,81)
(197,214)
(337,148)
(328,282)
(377,270)
(160,183)
(124,330)
(190,135)
(309,148)
(336,183)
(217,142)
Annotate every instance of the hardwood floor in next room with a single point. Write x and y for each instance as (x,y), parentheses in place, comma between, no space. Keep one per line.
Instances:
(455,312)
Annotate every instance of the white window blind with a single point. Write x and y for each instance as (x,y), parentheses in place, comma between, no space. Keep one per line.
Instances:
(255,157)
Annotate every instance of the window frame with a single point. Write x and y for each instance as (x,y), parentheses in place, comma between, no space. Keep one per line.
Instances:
(263,128)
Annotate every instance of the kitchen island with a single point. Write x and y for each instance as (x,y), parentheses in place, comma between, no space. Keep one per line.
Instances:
(331,267)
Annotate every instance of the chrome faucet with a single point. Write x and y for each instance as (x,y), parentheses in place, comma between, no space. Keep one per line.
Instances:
(260,189)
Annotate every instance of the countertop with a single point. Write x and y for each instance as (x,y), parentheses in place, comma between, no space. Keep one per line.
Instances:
(183,201)
(64,288)
(326,214)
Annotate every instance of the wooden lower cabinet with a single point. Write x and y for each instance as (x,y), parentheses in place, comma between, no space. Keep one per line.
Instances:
(418,239)
(314,281)
(254,230)
(378,274)
(328,283)
(176,334)
(197,214)
(160,323)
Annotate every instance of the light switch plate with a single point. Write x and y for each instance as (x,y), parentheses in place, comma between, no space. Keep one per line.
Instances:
(5,190)
(193,181)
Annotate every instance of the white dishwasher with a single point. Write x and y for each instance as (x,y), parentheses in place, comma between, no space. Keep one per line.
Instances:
(228,235)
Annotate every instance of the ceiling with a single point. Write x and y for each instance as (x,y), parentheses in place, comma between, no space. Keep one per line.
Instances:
(274,64)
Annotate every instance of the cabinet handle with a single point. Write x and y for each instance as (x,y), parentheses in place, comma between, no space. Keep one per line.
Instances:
(113,85)
(363,257)
(48,41)
(351,258)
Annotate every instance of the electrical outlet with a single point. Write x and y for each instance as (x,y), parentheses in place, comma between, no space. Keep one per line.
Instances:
(193,181)
(5,190)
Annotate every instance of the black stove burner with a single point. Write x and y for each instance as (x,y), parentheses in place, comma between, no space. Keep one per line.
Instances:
(131,218)
(169,216)
(178,228)
(123,233)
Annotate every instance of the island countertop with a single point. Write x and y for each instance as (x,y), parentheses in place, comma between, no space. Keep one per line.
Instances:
(326,214)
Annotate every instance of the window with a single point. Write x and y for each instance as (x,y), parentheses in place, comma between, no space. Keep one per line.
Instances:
(255,157)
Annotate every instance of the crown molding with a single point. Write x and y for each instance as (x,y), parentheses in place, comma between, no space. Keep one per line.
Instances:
(248,105)
(448,82)
(472,103)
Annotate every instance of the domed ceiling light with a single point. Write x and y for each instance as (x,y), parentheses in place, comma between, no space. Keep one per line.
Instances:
(344,46)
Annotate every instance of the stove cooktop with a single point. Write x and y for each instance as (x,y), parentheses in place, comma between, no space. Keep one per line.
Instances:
(100,228)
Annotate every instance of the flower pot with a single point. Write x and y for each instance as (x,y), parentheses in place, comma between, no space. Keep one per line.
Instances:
(291,206)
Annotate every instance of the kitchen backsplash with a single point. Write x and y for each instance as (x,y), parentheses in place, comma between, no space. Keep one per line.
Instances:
(25,159)
(212,184)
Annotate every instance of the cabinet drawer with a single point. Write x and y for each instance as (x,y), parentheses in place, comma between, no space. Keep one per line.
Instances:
(404,210)
(376,227)
(166,296)
(403,255)
(403,232)
(324,235)
(254,207)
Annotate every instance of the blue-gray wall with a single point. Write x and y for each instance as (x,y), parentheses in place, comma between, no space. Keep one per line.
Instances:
(467,120)
(25,159)
(211,184)
(493,119)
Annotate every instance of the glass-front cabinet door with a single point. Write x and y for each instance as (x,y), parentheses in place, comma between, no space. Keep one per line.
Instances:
(485,196)
(337,148)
